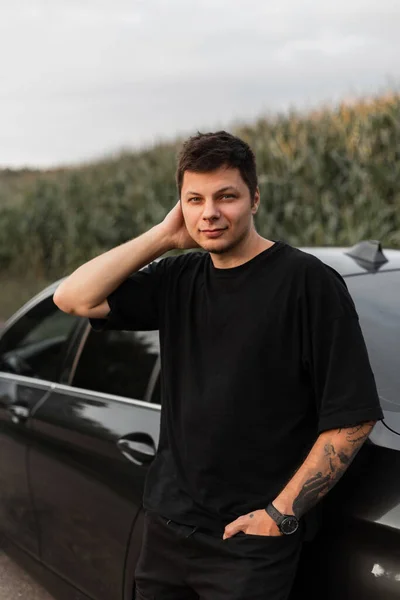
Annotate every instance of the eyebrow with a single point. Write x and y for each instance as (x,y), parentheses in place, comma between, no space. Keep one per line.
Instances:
(224,189)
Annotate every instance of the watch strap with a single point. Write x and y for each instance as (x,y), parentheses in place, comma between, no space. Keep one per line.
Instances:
(274,513)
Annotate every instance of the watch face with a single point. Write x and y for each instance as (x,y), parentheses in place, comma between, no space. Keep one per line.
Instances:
(289,525)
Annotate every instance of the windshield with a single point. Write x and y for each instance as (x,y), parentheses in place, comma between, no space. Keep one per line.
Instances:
(377,299)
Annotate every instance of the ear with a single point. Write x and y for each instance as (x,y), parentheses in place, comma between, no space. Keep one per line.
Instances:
(256,201)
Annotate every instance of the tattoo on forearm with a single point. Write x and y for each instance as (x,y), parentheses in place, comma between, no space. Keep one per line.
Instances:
(329,450)
(337,463)
(344,459)
(357,434)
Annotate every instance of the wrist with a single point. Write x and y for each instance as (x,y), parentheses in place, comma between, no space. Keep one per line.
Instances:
(287,523)
(285,506)
(165,241)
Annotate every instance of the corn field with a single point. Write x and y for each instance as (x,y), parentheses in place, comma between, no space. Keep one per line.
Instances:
(329,177)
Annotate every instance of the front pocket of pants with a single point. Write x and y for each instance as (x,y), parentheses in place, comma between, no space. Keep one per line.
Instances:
(241,535)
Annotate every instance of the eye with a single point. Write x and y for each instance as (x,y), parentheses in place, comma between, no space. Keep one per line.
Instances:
(194,199)
(229,196)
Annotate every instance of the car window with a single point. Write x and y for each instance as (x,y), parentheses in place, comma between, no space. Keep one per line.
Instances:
(377,299)
(35,345)
(118,362)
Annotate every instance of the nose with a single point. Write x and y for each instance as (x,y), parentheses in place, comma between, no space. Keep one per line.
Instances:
(210,211)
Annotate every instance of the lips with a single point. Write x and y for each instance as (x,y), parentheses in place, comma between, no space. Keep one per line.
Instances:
(213,233)
(212,230)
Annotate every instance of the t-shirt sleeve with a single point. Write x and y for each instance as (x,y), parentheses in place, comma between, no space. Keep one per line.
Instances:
(336,356)
(134,305)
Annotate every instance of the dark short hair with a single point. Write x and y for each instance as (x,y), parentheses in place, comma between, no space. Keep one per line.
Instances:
(207,152)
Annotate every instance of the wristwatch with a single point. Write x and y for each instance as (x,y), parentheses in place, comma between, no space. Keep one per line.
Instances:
(287,524)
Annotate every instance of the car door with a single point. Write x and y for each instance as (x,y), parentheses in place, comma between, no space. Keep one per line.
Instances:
(94,438)
(33,346)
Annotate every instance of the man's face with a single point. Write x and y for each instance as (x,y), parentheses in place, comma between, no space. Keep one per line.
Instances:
(217,208)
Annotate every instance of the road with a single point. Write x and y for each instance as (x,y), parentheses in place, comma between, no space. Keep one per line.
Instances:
(16,583)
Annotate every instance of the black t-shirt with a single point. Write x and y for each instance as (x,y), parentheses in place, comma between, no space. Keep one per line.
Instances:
(257,360)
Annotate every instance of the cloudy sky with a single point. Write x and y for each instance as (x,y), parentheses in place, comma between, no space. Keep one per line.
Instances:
(83,78)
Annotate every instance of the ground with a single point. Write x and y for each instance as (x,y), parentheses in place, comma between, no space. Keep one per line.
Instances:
(16,583)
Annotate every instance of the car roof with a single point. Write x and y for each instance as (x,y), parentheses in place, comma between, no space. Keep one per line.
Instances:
(366,257)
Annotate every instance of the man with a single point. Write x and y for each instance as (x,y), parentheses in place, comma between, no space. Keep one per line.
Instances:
(267,389)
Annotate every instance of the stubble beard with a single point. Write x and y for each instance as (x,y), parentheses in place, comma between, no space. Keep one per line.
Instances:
(228,247)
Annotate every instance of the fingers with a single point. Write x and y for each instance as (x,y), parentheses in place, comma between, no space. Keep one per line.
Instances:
(234,527)
(230,531)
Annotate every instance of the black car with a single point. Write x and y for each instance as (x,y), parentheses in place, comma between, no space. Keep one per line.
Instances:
(79,425)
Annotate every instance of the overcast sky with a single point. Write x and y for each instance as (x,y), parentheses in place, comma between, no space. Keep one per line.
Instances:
(83,78)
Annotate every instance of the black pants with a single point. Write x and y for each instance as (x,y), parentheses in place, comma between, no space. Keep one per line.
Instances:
(178,562)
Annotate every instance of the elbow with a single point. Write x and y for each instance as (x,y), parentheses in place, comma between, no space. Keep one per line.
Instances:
(66,303)
(61,300)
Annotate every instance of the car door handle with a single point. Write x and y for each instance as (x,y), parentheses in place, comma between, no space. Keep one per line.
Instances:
(137,447)
(19,413)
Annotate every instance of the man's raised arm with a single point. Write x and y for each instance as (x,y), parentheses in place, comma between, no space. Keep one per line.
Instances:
(85,291)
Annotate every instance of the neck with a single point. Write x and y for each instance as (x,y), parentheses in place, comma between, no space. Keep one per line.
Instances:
(252,245)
